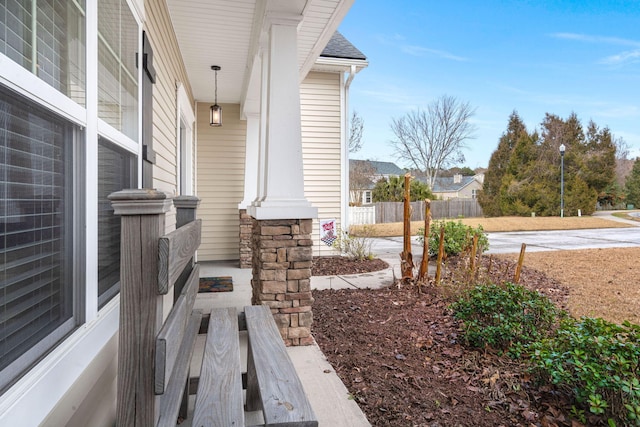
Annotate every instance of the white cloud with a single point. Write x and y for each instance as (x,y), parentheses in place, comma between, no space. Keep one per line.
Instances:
(596,39)
(422,51)
(622,58)
(399,41)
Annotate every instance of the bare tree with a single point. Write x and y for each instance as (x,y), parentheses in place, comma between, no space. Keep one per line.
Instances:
(355,132)
(433,139)
(361,177)
(622,148)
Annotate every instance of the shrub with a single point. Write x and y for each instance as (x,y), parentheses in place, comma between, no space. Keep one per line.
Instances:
(598,362)
(506,317)
(457,237)
(355,247)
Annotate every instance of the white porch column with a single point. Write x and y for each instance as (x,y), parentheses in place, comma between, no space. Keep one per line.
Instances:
(283,177)
(251,160)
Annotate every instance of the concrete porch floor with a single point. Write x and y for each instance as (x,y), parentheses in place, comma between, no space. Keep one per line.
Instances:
(326,392)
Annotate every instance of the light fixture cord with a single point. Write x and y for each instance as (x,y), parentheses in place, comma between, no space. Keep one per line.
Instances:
(216,79)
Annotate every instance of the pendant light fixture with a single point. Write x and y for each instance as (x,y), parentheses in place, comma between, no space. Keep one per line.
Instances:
(215,117)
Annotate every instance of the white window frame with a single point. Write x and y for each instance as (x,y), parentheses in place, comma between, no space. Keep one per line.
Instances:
(185,122)
(32,398)
(367,197)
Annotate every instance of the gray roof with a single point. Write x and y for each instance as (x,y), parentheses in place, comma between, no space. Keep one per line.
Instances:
(446,184)
(340,47)
(381,168)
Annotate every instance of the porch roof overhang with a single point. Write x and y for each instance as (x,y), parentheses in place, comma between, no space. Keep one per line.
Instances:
(229,34)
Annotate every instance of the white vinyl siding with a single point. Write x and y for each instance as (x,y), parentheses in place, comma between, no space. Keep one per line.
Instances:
(170,70)
(220,177)
(321,134)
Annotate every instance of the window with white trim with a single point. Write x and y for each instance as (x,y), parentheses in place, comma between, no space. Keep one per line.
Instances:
(366,197)
(46,224)
(117,73)
(117,170)
(37,183)
(48,39)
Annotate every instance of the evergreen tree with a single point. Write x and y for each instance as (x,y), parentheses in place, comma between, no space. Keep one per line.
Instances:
(524,171)
(632,184)
(489,197)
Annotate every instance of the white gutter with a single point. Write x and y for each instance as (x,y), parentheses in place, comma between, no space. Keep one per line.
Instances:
(344,221)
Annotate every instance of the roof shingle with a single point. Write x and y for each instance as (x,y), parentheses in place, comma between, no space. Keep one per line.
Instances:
(340,47)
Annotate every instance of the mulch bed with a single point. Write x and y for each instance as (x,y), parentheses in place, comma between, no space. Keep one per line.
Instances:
(340,265)
(398,352)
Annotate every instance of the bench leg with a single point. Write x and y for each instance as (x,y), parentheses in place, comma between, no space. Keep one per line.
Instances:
(253,393)
(184,406)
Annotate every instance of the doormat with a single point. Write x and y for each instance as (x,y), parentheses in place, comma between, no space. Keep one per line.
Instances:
(216,284)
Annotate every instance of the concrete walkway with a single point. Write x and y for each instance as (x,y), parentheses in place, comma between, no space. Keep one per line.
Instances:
(329,397)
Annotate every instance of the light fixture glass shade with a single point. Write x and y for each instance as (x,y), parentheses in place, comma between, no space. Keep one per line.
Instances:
(215,117)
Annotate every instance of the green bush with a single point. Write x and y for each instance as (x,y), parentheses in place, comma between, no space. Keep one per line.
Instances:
(355,247)
(505,317)
(457,237)
(599,362)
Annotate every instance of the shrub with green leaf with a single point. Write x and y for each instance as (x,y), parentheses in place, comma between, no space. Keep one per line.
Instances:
(457,237)
(506,317)
(599,362)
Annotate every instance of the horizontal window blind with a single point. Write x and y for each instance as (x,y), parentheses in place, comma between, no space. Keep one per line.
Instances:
(116,171)
(36,238)
(47,37)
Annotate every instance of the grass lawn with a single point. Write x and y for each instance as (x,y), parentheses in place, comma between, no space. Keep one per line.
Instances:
(509,223)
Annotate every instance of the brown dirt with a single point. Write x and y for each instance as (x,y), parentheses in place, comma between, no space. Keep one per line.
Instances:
(398,353)
(340,265)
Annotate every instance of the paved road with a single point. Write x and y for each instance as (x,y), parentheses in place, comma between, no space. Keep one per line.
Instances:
(536,241)
(566,239)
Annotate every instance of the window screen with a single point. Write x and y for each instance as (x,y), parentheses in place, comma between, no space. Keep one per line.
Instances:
(36,234)
(116,171)
(117,73)
(47,37)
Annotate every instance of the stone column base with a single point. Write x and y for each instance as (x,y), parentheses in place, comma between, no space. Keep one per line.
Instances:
(282,256)
(245,239)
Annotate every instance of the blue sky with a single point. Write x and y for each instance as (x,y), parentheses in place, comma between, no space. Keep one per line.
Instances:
(530,56)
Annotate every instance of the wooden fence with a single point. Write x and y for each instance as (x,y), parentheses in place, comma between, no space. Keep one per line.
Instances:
(452,208)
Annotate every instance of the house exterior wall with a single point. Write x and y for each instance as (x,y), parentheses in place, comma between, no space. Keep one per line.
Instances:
(87,359)
(467,192)
(321,102)
(220,160)
(220,181)
(464,193)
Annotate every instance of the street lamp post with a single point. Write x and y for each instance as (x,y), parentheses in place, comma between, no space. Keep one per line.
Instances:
(562,149)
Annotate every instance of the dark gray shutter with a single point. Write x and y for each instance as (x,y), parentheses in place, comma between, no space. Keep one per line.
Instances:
(148,80)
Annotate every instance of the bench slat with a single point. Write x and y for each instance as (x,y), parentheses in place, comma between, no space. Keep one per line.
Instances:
(169,403)
(284,402)
(170,337)
(175,250)
(219,397)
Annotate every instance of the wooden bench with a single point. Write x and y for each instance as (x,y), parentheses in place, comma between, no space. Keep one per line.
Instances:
(155,355)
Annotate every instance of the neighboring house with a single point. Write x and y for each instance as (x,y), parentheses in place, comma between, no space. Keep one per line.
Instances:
(364,174)
(100,96)
(458,187)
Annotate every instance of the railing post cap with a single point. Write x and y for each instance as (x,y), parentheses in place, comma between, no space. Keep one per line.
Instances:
(188,202)
(140,202)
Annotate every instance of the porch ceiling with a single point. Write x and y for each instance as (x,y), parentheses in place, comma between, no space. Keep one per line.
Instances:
(226,33)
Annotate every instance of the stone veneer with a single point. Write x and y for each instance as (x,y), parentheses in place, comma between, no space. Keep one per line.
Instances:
(282,256)
(245,239)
